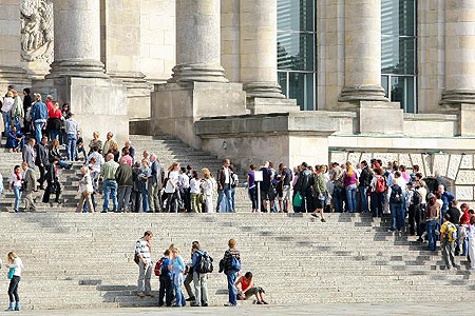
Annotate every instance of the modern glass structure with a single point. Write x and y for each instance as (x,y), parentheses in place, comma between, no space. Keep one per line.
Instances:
(296,47)
(399,52)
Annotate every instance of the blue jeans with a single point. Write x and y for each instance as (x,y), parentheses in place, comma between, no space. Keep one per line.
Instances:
(180,298)
(337,200)
(17,192)
(54,134)
(377,199)
(145,205)
(110,188)
(71,147)
(38,130)
(363,198)
(431,226)
(397,216)
(233,193)
(231,289)
(7,121)
(253,197)
(351,197)
(226,192)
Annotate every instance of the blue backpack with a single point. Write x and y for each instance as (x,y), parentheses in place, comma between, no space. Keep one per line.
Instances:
(235,264)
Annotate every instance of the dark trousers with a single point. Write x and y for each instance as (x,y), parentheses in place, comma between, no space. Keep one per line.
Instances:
(13,289)
(41,179)
(412,220)
(187,282)
(377,202)
(166,289)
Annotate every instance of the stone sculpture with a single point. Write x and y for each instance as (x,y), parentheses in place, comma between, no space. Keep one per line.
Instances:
(37,30)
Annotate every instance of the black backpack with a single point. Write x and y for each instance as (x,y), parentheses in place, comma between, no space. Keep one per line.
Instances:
(205,263)
(396,195)
(416,198)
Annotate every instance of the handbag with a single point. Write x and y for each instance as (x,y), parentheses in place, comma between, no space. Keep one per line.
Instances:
(297,201)
(11,273)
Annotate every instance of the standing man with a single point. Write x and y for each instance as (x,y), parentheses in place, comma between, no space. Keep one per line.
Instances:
(128,145)
(29,186)
(144,256)
(108,171)
(232,265)
(39,115)
(365,181)
(154,184)
(29,153)
(224,186)
(286,178)
(448,234)
(123,177)
(109,143)
(265,187)
(71,128)
(42,159)
(200,278)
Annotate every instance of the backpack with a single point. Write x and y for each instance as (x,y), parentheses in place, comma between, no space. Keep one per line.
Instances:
(451,232)
(380,184)
(416,198)
(234,264)
(396,195)
(205,263)
(159,266)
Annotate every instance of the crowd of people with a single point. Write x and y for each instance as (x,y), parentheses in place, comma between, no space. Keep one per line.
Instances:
(174,273)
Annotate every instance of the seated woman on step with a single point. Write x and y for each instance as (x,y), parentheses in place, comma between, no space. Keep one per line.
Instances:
(248,289)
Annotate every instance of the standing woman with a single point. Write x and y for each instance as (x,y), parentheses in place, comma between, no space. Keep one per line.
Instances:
(143,176)
(209,186)
(55,117)
(178,268)
(350,179)
(471,242)
(320,191)
(252,188)
(95,142)
(15,186)
(85,190)
(195,191)
(170,186)
(15,266)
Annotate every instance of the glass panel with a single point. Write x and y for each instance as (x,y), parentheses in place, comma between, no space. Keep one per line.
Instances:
(282,79)
(310,92)
(398,55)
(398,17)
(384,84)
(402,90)
(296,88)
(295,51)
(295,15)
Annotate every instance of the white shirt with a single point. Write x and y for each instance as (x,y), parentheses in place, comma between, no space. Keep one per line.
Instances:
(226,175)
(7,104)
(171,183)
(18,265)
(195,186)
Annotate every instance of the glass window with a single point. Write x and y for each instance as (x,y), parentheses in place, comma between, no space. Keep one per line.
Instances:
(296,15)
(295,51)
(398,55)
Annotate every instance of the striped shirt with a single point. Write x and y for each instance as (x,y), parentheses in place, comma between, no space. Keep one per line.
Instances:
(142,248)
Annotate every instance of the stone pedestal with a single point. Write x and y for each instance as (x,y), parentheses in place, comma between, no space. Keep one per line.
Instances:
(376,117)
(465,113)
(271,105)
(362,51)
(98,104)
(175,107)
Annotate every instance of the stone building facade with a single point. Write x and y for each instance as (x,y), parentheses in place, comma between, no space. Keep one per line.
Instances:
(303,79)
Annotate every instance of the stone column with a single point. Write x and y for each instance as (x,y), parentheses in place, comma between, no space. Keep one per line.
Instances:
(459,52)
(362,51)
(77,49)
(198,41)
(259,48)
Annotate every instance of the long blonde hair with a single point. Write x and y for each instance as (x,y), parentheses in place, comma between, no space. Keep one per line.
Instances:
(349,169)
(206,173)
(11,256)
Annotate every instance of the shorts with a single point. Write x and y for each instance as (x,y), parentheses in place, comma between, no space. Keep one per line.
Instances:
(254,290)
(319,203)
(285,193)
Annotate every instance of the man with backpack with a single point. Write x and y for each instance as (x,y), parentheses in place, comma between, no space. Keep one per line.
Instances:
(396,201)
(304,188)
(202,264)
(231,264)
(364,184)
(448,235)
(413,203)
(378,187)
(162,270)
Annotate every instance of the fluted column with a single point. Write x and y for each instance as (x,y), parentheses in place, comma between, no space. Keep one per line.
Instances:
(459,52)
(259,48)
(77,48)
(362,51)
(198,41)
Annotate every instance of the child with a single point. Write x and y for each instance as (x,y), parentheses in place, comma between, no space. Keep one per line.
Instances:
(178,267)
(166,284)
(248,289)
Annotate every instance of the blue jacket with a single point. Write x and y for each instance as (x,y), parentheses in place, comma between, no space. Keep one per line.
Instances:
(196,257)
(39,111)
(446,198)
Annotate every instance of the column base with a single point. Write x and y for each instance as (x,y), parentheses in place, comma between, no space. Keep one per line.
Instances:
(457,97)
(77,68)
(263,89)
(363,93)
(198,72)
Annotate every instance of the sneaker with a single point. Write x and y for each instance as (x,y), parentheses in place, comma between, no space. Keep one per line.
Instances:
(195,305)
(141,294)
(265,303)
(314,215)
(323,220)
(190,299)
(259,303)
(229,305)
(204,304)
(150,295)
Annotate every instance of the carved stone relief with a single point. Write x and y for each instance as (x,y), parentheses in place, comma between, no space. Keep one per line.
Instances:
(37,32)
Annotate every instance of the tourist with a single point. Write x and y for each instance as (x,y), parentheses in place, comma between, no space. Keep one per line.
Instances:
(303,186)
(49,102)
(42,158)
(55,117)
(125,154)
(178,268)
(454,214)
(232,265)
(208,187)
(336,176)
(350,178)
(143,257)
(420,187)
(108,170)
(200,278)
(464,223)
(95,142)
(471,242)
(165,278)
(52,180)
(143,177)
(413,203)
(80,148)
(189,275)
(396,202)
(448,233)
(265,187)
(170,187)
(17,111)
(136,195)
(128,146)
(252,188)
(124,179)
(364,184)
(85,191)
(54,152)
(71,127)
(15,266)
(319,191)
(7,111)
(378,188)
(224,185)
(114,149)
(195,191)
(431,216)
(233,185)
(39,115)
(183,191)
(15,186)
(15,139)
(246,288)
(446,198)
(27,103)
(29,186)
(98,158)
(285,180)
(109,143)
(66,110)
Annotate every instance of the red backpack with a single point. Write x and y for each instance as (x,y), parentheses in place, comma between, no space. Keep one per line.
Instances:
(159,266)
(380,184)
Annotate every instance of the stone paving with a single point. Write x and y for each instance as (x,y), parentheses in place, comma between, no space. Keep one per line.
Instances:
(285,310)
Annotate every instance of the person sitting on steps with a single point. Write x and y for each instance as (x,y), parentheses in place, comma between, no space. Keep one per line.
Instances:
(248,289)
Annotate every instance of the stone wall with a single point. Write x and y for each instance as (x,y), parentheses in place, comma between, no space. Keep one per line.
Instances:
(457,167)
(230,39)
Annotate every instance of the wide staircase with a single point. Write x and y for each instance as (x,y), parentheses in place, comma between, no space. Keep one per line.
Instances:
(86,260)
